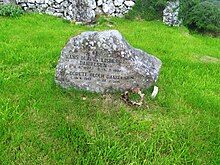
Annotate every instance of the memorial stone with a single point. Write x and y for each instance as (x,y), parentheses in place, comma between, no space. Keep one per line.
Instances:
(105,62)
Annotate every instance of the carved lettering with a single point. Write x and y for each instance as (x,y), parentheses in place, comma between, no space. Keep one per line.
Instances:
(94,64)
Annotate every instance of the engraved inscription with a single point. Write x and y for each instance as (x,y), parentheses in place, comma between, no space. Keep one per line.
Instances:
(103,69)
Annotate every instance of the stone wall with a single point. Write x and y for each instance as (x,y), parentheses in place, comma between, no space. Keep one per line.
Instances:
(78,10)
(171,13)
(87,10)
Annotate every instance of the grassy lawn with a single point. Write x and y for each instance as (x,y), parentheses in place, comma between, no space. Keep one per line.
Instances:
(40,123)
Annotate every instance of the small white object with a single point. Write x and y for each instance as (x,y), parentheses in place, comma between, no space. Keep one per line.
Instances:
(78,23)
(129,3)
(155,92)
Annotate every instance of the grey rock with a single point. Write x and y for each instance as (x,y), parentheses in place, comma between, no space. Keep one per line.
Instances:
(91,4)
(120,15)
(70,7)
(99,2)
(58,1)
(129,3)
(105,62)
(31,1)
(108,7)
(31,6)
(50,10)
(68,18)
(23,4)
(8,1)
(44,6)
(40,1)
(171,13)
(118,2)
(123,9)
(50,2)
(84,12)
(98,11)
(72,14)
(57,6)
(64,4)
(58,14)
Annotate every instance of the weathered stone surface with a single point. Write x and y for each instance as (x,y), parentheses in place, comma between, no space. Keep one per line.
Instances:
(129,3)
(118,2)
(171,13)
(91,3)
(105,62)
(108,7)
(80,10)
(98,11)
(77,10)
(84,12)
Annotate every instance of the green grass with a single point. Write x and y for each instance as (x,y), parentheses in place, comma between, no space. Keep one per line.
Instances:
(41,123)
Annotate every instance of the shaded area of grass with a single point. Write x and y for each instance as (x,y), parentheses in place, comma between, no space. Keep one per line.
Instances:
(42,123)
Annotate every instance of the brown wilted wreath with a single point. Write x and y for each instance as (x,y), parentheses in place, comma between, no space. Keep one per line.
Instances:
(125,97)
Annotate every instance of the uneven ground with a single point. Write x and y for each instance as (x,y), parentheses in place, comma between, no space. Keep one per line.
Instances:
(40,123)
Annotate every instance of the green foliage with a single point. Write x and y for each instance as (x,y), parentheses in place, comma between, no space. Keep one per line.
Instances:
(147,9)
(202,16)
(10,10)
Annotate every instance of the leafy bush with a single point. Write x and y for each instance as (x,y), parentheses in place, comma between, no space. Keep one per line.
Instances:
(147,9)
(201,16)
(10,10)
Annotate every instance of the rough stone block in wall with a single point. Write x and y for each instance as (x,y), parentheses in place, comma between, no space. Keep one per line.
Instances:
(78,10)
(171,13)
